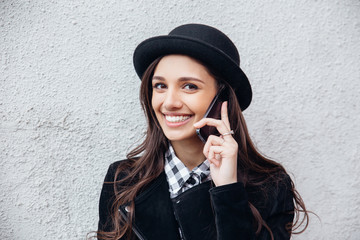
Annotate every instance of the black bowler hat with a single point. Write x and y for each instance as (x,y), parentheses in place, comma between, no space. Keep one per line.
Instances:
(205,43)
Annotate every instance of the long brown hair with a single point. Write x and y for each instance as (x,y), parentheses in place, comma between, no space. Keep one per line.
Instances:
(146,162)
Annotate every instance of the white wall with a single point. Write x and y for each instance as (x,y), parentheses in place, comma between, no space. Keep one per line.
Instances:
(69,102)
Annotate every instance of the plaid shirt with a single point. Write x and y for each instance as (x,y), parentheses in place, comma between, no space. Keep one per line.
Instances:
(179,177)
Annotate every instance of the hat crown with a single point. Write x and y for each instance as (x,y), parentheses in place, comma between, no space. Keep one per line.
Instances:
(210,36)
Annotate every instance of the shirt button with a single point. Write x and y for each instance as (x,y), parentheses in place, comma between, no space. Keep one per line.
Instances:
(178,201)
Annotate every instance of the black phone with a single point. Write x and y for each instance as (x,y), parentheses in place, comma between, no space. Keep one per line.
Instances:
(214,111)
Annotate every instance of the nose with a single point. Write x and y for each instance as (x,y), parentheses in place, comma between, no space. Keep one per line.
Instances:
(172,100)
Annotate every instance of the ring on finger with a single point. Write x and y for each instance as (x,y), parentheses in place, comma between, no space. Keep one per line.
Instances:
(227,133)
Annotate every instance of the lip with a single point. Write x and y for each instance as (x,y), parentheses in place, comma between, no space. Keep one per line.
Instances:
(176,124)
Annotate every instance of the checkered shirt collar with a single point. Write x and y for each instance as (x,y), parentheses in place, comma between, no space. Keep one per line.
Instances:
(179,177)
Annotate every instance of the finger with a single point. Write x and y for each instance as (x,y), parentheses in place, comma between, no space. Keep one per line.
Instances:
(214,162)
(203,122)
(211,141)
(219,124)
(224,114)
(215,150)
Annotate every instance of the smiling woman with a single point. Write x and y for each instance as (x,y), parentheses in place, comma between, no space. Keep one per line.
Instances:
(174,185)
(182,92)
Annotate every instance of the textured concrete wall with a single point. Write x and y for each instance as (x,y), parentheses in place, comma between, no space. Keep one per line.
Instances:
(69,102)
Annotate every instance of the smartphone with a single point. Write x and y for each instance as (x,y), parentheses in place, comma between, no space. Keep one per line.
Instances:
(214,111)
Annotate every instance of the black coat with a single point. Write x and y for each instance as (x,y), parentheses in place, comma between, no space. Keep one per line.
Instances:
(204,211)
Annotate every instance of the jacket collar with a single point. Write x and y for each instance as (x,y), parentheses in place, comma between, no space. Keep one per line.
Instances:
(155,212)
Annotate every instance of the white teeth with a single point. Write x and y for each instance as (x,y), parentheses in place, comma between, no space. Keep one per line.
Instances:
(175,119)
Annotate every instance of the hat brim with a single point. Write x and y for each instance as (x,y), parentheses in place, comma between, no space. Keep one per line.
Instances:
(153,48)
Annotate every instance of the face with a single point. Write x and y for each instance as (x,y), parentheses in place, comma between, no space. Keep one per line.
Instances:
(182,90)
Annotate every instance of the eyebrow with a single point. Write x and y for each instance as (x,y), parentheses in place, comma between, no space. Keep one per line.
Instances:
(182,79)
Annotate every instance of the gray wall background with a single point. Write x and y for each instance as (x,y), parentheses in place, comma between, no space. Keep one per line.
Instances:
(69,102)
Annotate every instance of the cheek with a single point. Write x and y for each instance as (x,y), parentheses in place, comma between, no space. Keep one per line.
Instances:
(202,104)
(205,102)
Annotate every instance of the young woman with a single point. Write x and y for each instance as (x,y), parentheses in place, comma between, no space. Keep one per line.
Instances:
(176,186)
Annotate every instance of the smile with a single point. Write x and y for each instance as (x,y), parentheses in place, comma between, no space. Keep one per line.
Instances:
(177,119)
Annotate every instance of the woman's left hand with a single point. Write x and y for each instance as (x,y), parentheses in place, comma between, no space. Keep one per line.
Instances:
(221,151)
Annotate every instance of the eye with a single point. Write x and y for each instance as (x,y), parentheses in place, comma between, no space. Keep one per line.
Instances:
(159,86)
(190,86)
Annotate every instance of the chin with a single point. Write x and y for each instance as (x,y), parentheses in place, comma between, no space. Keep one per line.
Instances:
(181,137)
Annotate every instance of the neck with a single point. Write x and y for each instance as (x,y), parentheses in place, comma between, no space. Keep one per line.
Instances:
(189,151)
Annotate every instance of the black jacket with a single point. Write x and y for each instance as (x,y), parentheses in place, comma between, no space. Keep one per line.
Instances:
(204,211)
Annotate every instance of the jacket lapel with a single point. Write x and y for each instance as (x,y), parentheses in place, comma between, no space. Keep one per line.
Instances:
(195,214)
(154,214)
